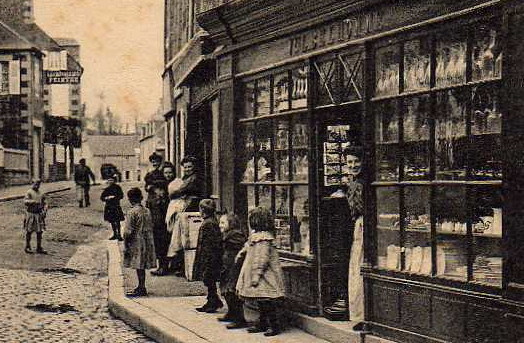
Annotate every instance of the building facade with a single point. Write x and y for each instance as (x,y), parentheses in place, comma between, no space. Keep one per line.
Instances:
(120,152)
(429,98)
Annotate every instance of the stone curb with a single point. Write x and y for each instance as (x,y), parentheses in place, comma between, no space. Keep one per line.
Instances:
(140,317)
(17,197)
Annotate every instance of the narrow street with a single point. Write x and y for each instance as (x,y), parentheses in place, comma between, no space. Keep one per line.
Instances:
(62,296)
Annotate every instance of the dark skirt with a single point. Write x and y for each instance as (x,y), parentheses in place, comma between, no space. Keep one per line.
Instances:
(113,214)
(162,238)
(230,272)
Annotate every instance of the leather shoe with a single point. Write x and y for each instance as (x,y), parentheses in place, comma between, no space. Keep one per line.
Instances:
(28,250)
(41,251)
(137,292)
(236,325)
(159,272)
(271,332)
(225,318)
(256,329)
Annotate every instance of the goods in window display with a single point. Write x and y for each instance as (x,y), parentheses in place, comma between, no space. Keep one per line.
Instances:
(264,171)
(249,173)
(300,168)
(416,65)
(281,94)
(300,88)
(488,269)
(487,55)
(300,136)
(451,63)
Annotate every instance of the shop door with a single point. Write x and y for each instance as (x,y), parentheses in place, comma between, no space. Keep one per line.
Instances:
(340,140)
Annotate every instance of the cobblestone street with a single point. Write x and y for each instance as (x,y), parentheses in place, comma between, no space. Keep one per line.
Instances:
(60,297)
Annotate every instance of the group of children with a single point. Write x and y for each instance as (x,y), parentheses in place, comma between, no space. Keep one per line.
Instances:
(247,268)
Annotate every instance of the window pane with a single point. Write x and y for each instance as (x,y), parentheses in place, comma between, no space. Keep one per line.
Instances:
(282,150)
(451,219)
(264,196)
(387,71)
(450,135)
(263,104)
(417,248)
(250,193)
(486,52)
(247,153)
(249,100)
(300,143)
(352,77)
(326,74)
(281,92)
(300,87)
(417,69)
(388,228)
(486,162)
(487,235)
(282,220)
(264,137)
(387,141)
(451,60)
(416,138)
(301,220)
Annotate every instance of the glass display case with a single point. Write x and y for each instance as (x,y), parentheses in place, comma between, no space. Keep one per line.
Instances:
(441,216)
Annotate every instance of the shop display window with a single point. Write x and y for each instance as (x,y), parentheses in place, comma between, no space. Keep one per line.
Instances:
(486,52)
(300,151)
(387,141)
(416,138)
(450,134)
(388,227)
(264,156)
(275,154)
(299,86)
(447,143)
(262,96)
(387,71)
(417,70)
(281,92)
(247,154)
(249,100)
(451,51)
(300,221)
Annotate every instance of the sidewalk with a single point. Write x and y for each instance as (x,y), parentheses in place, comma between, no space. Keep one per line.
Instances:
(168,314)
(18,192)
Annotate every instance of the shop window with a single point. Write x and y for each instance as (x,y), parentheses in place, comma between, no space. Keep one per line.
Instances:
(387,141)
(417,70)
(438,167)
(274,154)
(4,78)
(387,71)
(450,60)
(300,87)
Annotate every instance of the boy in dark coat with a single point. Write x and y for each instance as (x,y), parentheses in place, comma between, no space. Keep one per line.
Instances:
(112,211)
(208,258)
(233,240)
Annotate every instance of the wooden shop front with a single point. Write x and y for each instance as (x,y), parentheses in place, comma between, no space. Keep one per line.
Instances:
(431,92)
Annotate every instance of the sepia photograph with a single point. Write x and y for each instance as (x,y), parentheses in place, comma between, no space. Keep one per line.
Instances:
(281,171)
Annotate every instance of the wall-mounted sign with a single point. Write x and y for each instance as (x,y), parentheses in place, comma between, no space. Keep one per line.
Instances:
(62,76)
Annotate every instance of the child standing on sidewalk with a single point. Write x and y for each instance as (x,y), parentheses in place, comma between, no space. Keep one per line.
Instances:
(34,220)
(261,275)
(112,211)
(233,239)
(208,259)
(139,252)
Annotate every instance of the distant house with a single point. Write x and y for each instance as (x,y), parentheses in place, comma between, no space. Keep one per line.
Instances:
(120,151)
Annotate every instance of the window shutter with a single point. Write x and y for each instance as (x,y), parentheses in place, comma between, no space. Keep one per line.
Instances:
(63,60)
(14,77)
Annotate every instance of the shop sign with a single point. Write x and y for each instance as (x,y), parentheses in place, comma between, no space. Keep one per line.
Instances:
(62,76)
(335,33)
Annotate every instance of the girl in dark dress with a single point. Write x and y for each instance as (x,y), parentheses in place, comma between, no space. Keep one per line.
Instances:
(112,211)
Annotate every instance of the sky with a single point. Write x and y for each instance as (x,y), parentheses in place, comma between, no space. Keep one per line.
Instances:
(121,50)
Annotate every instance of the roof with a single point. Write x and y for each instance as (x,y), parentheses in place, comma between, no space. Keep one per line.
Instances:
(11,39)
(112,145)
(67,42)
(35,34)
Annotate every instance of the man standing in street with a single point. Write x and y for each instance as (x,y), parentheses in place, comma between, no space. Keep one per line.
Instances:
(83,174)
